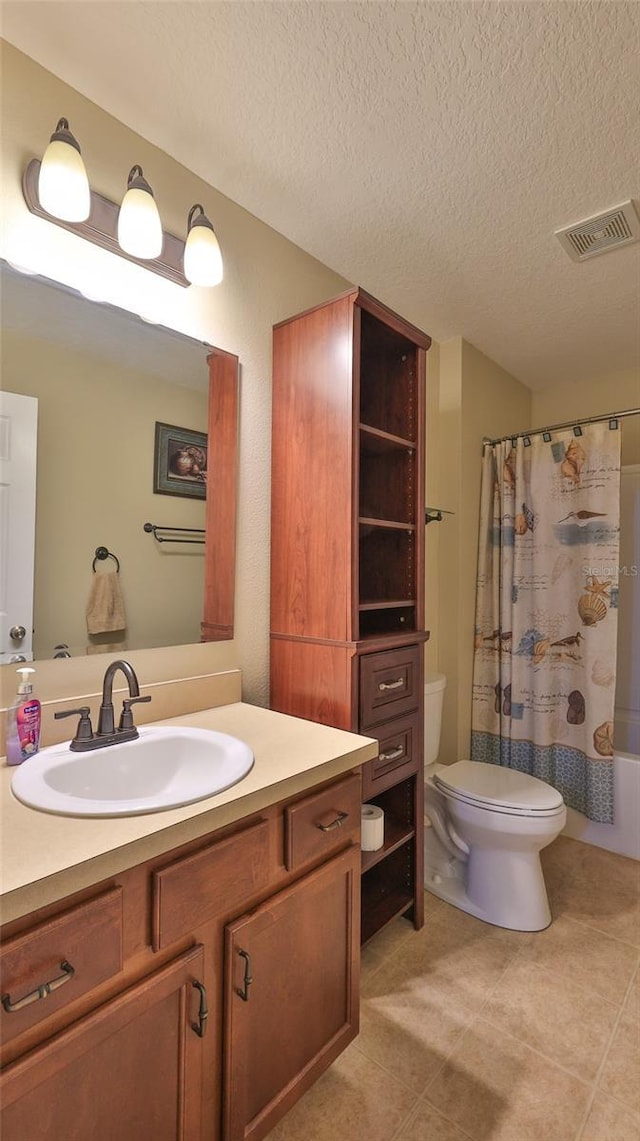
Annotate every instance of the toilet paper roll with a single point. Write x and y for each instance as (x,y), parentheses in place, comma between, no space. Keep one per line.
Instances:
(372,835)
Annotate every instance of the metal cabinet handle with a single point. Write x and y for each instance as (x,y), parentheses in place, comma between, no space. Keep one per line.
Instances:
(248,977)
(203,1011)
(392,754)
(41,991)
(337,823)
(384,686)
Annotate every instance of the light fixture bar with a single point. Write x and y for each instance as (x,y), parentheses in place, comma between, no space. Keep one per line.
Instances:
(101,228)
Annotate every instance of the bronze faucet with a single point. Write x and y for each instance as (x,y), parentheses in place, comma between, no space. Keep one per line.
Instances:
(106,734)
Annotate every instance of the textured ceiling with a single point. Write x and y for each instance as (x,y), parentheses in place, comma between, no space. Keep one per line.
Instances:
(426,151)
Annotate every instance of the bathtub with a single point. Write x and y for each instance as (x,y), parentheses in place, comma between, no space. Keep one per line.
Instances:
(624,835)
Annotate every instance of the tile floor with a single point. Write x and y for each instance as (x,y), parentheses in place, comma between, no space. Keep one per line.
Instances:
(472,1033)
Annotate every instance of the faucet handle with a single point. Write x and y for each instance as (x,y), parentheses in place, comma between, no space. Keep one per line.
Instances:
(126,717)
(84,732)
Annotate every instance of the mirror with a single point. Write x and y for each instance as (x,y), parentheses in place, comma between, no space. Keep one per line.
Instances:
(103,379)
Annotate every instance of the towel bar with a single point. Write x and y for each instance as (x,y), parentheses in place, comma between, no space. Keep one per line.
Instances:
(153,528)
(103,553)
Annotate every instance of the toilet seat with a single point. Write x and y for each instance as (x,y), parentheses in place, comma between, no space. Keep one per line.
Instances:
(497,789)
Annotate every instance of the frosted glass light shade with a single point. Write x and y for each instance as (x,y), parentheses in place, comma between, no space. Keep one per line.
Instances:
(202,254)
(139,225)
(63,186)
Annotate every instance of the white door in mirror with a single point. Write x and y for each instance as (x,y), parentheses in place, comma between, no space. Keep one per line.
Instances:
(166,767)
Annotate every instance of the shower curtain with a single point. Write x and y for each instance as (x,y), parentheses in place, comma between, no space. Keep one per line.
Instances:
(546,611)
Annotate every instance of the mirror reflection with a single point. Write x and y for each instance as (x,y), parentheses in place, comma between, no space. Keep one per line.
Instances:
(102,379)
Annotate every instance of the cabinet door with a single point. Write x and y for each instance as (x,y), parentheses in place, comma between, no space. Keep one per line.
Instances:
(291,994)
(131,1069)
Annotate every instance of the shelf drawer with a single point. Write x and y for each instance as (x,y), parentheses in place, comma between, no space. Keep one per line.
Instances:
(192,890)
(55,962)
(389,685)
(322,823)
(400,747)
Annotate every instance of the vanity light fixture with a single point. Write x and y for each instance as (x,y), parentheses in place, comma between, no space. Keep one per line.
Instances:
(57,190)
(63,186)
(139,225)
(202,256)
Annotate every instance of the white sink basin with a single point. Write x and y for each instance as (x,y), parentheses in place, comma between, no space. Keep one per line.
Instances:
(164,768)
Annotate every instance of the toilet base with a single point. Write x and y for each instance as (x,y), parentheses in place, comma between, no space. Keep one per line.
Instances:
(518,897)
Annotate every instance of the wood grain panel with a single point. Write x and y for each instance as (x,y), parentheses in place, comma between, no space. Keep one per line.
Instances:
(222,481)
(88,937)
(134,1066)
(303,948)
(193,890)
(390,684)
(312,474)
(315,682)
(400,754)
(337,808)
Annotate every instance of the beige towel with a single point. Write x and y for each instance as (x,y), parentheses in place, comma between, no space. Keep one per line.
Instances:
(106,648)
(105,607)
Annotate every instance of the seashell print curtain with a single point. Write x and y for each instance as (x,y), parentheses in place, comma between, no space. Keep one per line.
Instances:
(546,611)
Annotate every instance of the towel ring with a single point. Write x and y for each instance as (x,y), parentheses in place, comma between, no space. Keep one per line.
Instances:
(103,553)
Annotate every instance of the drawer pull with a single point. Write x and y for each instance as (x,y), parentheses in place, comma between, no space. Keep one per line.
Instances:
(385,686)
(337,823)
(392,754)
(248,977)
(203,1012)
(41,991)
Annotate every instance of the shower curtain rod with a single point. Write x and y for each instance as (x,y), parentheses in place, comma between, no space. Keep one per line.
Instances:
(556,427)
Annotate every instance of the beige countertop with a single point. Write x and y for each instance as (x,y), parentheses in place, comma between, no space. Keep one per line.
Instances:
(44,857)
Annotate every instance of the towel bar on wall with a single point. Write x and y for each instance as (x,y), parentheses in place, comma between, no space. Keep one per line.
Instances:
(434,514)
(103,553)
(154,528)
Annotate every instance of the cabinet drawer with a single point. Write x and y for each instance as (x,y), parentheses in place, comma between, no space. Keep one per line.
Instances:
(389,685)
(400,753)
(193,890)
(57,961)
(322,823)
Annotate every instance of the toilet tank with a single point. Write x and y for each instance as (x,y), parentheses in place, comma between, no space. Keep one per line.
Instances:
(434,687)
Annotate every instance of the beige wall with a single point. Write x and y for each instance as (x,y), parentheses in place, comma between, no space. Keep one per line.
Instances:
(267,278)
(477,399)
(90,494)
(612,392)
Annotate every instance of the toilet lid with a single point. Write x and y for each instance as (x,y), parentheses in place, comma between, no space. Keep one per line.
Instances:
(493,784)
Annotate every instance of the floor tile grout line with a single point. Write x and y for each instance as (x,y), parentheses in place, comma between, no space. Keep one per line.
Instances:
(424,1100)
(592,927)
(463,1031)
(607,934)
(388,1073)
(539,1053)
(548,970)
(603,1063)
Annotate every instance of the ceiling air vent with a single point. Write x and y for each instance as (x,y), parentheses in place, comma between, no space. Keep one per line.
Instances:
(616,227)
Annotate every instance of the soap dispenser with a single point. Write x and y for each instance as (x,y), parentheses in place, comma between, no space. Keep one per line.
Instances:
(23,721)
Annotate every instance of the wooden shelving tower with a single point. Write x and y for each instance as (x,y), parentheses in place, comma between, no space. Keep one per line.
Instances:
(347,560)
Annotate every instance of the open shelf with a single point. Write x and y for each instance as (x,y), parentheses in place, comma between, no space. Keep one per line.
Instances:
(387,524)
(378,619)
(387,478)
(387,564)
(395,835)
(387,889)
(388,362)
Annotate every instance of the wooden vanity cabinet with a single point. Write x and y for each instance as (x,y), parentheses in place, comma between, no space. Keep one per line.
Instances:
(291,994)
(148,1038)
(347,560)
(130,1069)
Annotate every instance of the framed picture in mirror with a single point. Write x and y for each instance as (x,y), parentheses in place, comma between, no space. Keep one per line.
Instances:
(180,461)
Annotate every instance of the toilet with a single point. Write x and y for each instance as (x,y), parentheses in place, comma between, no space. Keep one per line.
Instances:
(485,826)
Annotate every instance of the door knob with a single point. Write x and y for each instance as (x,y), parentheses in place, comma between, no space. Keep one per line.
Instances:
(17,633)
